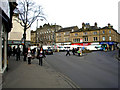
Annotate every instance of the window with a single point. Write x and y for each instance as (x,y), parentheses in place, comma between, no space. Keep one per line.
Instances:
(76,34)
(109,38)
(59,40)
(94,33)
(109,31)
(103,32)
(66,39)
(103,38)
(66,33)
(76,40)
(86,39)
(95,38)
(59,34)
(85,33)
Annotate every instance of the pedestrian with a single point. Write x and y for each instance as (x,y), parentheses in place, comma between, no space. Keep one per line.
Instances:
(73,51)
(9,51)
(68,52)
(14,51)
(41,55)
(78,51)
(25,53)
(29,55)
(18,53)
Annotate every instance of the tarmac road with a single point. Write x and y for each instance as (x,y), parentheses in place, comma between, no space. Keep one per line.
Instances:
(93,70)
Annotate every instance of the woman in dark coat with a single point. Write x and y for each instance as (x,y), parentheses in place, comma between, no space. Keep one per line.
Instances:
(41,55)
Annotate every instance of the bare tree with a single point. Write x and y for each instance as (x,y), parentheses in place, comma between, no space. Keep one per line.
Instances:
(28,12)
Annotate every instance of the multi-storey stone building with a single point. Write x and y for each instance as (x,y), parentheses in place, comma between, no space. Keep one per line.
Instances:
(63,36)
(88,35)
(46,34)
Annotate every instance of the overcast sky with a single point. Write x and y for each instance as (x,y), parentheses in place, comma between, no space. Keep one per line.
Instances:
(73,12)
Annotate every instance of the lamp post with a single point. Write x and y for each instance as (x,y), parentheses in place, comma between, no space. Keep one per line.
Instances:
(37,31)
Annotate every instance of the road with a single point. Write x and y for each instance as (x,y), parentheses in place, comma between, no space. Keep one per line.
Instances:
(93,70)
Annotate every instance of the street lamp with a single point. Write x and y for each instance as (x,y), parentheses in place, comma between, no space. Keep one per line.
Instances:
(36,31)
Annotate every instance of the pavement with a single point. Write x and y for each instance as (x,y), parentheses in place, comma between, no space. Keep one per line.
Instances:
(22,75)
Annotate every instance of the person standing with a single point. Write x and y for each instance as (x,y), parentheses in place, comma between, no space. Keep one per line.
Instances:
(73,51)
(9,51)
(14,51)
(29,55)
(41,55)
(68,52)
(18,53)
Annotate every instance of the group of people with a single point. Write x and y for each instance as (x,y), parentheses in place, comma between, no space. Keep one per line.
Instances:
(30,54)
(75,50)
(40,55)
(14,51)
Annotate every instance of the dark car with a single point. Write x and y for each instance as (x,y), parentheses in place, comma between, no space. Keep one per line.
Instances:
(49,52)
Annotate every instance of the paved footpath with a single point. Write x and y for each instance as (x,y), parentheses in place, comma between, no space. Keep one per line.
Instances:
(22,75)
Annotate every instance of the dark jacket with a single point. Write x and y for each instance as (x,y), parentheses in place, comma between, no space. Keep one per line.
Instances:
(40,55)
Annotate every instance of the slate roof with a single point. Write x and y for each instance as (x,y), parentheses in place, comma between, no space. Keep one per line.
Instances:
(67,29)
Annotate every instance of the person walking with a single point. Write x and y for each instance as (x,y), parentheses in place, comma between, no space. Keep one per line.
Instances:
(18,53)
(41,55)
(73,51)
(68,52)
(78,51)
(29,55)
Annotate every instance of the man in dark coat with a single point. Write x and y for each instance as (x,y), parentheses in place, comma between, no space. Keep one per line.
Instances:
(18,53)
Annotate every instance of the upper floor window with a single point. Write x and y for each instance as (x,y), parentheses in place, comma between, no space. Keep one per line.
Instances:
(58,40)
(66,33)
(103,32)
(58,34)
(85,33)
(109,31)
(94,33)
(66,39)
(76,34)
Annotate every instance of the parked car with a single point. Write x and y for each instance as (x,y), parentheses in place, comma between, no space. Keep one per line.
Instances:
(49,51)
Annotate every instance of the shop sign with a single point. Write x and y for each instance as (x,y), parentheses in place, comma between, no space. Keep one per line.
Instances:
(109,43)
(82,44)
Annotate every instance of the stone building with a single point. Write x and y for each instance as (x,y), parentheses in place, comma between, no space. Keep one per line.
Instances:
(33,37)
(63,36)
(46,34)
(88,35)
(16,34)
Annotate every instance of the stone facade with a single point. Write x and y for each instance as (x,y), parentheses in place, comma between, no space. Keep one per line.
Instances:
(88,35)
(16,34)
(63,36)
(46,34)
(33,37)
